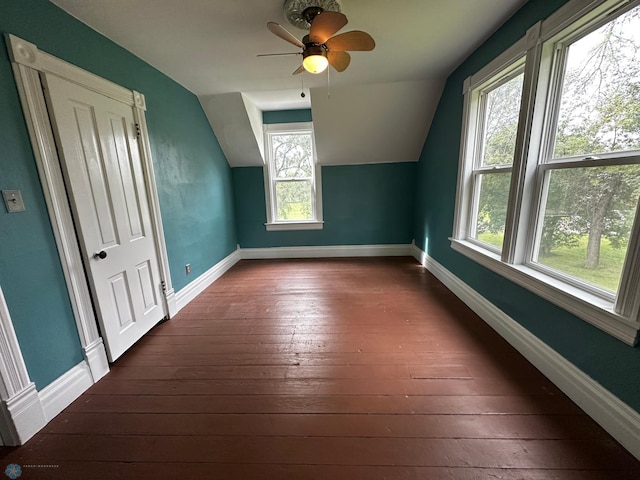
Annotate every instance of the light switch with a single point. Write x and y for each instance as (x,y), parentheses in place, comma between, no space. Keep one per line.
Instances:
(13,201)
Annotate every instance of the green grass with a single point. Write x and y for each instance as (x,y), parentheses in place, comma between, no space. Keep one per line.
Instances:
(494,239)
(570,260)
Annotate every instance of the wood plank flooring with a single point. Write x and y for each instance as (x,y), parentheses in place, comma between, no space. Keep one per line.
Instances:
(324,369)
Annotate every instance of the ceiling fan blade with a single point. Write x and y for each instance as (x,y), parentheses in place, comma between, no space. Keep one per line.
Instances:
(299,70)
(324,25)
(279,30)
(339,60)
(276,54)
(351,41)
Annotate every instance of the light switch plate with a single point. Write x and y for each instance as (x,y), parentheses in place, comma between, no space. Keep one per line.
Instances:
(13,201)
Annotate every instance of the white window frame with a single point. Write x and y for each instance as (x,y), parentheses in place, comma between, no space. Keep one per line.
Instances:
(618,315)
(477,123)
(273,224)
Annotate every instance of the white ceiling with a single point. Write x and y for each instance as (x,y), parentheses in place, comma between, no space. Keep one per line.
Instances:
(210,47)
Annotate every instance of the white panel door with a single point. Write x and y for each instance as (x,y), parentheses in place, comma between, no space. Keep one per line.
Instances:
(100,157)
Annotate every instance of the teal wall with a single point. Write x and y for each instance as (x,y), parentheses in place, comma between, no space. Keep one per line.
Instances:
(287,116)
(194,183)
(362,205)
(615,365)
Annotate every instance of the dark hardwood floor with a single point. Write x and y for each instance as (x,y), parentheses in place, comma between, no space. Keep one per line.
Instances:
(324,369)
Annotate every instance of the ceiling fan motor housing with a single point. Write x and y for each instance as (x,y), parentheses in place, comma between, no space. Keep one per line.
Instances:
(300,13)
(314,49)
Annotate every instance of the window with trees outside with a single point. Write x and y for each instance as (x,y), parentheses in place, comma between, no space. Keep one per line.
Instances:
(292,178)
(498,106)
(549,178)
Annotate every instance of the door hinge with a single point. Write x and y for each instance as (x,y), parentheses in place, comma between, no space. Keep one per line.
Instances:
(138,130)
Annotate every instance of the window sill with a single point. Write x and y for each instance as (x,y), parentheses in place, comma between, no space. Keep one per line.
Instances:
(289,226)
(589,307)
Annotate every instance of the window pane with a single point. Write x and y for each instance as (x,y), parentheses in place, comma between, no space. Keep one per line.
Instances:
(501,122)
(293,200)
(600,106)
(491,209)
(292,155)
(587,222)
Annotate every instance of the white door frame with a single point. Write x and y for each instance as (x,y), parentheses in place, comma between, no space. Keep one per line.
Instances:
(21,411)
(28,62)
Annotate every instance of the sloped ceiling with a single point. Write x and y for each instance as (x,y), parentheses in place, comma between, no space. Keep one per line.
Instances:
(373,123)
(378,110)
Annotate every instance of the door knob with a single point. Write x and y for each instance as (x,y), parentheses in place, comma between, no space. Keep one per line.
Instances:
(101,254)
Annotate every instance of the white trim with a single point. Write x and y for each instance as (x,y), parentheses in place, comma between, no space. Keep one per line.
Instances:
(27,63)
(172,303)
(629,304)
(400,250)
(27,54)
(50,174)
(154,203)
(197,286)
(272,224)
(29,411)
(21,415)
(24,410)
(289,226)
(572,12)
(14,376)
(26,416)
(588,307)
(504,61)
(60,393)
(284,128)
(611,413)
(96,357)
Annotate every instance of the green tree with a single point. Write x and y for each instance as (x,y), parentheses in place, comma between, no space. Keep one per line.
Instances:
(595,201)
(500,130)
(293,170)
(599,113)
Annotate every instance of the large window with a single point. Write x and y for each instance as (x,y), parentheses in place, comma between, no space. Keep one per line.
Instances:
(550,164)
(497,122)
(291,178)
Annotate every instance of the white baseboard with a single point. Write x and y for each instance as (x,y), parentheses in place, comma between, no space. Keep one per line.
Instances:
(172,306)
(616,417)
(60,393)
(26,416)
(327,251)
(27,412)
(96,358)
(197,286)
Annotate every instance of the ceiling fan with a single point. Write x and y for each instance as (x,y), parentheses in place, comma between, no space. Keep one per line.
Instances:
(321,48)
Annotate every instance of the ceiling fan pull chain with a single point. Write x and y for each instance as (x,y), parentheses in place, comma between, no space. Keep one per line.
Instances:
(328,84)
(302,94)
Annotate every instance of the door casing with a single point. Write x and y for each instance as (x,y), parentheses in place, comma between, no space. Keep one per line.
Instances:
(27,63)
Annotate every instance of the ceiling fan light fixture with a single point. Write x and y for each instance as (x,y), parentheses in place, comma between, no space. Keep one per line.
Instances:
(323,46)
(314,59)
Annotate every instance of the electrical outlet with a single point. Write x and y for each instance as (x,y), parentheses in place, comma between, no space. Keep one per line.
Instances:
(187,268)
